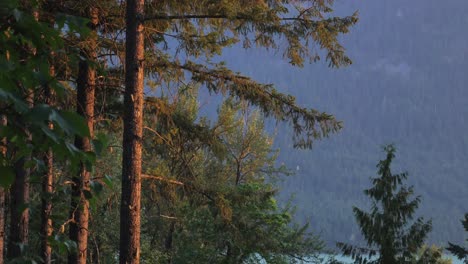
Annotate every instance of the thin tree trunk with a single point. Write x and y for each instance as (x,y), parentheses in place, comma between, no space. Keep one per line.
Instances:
(168,241)
(19,200)
(47,187)
(133,132)
(2,223)
(3,151)
(19,192)
(46,223)
(86,84)
(6,211)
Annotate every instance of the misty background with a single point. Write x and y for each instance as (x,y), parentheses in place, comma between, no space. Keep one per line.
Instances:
(406,86)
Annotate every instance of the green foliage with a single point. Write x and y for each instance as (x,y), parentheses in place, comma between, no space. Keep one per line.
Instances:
(28,48)
(390,238)
(216,201)
(430,255)
(27,45)
(376,104)
(195,209)
(8,176)
(189,34)
(459,251)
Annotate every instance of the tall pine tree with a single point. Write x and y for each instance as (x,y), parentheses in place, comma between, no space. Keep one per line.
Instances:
(132,135)
(86,84)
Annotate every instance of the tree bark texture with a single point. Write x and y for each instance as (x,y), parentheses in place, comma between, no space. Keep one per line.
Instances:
(86,84)
(19,191)
(19,200)
(133,132)
(47,186)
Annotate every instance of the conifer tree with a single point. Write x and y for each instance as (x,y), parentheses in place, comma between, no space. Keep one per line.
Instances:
(200,30)
(20,193)
(204,29)
(47,184)
(27,45)
(86,85)
(210,189)
(459,251)
(132,134)
(386,228)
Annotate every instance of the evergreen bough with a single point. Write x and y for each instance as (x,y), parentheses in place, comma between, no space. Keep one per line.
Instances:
(389,236)
(459,251)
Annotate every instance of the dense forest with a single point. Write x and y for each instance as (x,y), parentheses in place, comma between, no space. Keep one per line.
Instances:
(146,131)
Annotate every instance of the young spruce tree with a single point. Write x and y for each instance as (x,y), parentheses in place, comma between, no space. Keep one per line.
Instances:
(459,251)
(390,238)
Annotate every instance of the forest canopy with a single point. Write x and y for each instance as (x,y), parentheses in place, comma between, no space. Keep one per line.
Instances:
(77,122)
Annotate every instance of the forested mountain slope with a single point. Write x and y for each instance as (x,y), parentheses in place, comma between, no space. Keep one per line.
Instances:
(407,86)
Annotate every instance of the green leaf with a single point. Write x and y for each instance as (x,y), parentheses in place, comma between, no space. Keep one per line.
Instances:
(74,123)
(70,122)
(7,176)
(40,113)
(71,149)
(18,103)
(50,134)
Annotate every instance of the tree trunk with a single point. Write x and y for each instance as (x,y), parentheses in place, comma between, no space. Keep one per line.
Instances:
(86,84)
(19,200)
(2,223)
(3,150)
(6,211)
(168,242)
(47,186)
(46,221)
(133,132)
(387,250)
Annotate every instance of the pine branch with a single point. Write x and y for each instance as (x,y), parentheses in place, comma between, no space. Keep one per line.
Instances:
(160,178)
(308,124)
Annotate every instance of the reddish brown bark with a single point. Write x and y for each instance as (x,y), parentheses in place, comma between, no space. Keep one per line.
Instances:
(86,84)
(47,188)
(46,223)
(133,132)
